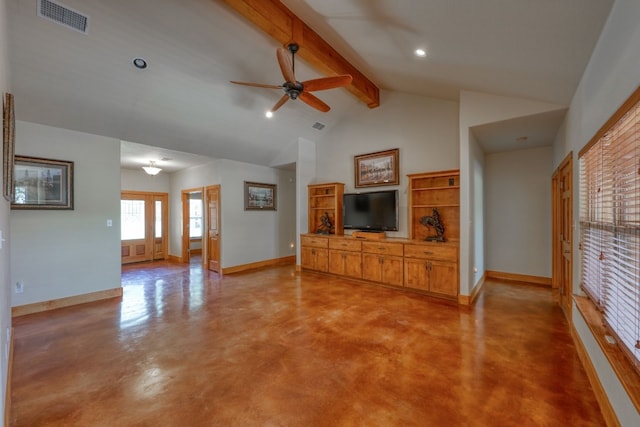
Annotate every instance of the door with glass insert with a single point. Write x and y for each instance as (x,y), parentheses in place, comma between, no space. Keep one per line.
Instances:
(143,219)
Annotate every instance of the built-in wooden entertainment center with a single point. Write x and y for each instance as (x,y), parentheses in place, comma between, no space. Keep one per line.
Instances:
(413,263)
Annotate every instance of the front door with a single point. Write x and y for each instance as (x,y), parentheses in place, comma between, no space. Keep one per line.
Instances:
(144,225)
(213,228)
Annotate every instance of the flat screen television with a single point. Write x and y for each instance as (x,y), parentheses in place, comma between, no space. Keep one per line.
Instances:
(372,211)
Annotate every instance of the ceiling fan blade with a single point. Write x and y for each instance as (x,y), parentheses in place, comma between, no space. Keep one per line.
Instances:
(313,101)
(258,85)
(286,64)
(325,83)
(279,104)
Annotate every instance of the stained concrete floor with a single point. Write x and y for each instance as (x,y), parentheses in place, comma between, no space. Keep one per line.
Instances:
(274,348)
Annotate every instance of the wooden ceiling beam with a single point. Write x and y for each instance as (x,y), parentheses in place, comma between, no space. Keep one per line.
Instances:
(275,19)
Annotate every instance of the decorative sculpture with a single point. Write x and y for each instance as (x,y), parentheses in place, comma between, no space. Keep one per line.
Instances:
(434,221)
(325,225)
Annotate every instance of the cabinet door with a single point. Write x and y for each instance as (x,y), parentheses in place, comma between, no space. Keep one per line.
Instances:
(322,260)
(443,278)
(307,258)
(336,262)
(392,270)
(353,264)
(314,258)
(416,274)
(371,267)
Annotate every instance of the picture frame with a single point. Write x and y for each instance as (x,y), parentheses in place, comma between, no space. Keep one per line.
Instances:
(8,145)
(377,169)
(260,197)
(42,184)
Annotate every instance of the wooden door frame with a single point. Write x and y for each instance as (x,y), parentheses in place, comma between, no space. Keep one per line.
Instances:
(205,225)
(186,240)
(557,217)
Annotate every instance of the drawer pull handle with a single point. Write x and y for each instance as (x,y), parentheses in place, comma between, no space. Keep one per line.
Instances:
(428,253)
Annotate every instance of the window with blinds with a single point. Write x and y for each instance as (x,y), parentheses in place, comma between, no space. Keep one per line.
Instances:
(610,224)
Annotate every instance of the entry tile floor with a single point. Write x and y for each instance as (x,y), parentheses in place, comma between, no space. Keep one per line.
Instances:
(185,347)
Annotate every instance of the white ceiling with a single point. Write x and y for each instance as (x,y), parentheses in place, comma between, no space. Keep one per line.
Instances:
(184,102)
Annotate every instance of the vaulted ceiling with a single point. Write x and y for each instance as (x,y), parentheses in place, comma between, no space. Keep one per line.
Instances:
(184,102)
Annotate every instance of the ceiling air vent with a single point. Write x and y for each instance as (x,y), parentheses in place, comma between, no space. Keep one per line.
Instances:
(63,15)
(318,126)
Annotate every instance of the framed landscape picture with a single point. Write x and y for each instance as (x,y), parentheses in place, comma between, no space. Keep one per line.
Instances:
(377,169)
(42,184)
(259,197)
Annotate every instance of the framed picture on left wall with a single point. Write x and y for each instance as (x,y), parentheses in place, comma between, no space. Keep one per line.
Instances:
(8,144)
(42,184)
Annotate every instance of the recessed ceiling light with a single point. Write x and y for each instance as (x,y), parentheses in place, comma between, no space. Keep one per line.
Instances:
(140,63)
(269,114)
(420,53)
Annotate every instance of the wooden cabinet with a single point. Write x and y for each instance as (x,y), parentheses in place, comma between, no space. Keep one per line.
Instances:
(325,200)
(410,263)
(439,190)
(432,267)
(345,257)
(382,262)
(314,253)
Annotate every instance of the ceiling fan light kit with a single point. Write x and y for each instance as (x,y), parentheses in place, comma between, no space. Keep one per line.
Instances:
(294,89)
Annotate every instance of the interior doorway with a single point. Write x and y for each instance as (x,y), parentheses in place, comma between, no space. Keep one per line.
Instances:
(212,256)
(562,257)
(192,224)
(144,226)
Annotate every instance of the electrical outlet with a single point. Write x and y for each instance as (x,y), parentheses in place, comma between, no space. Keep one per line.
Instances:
(19,287)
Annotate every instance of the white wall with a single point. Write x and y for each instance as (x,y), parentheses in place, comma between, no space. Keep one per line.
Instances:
(57,254)
(477,237)
(252,236)
(518,206)
(477,109)
(139,180)
(5,269)
(424,129)
(613,73)
(246,236)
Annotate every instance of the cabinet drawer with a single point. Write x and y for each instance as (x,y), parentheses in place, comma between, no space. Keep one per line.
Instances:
(345,244)
(314,242)
(443,253)
(382,248)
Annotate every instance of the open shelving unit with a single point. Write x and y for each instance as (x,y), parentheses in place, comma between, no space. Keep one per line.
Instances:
(326,199)
(431,190)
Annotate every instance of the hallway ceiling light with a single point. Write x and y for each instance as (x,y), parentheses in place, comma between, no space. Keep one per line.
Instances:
(152,169)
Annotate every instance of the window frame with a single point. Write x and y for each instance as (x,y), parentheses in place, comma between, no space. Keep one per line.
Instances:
(609,220)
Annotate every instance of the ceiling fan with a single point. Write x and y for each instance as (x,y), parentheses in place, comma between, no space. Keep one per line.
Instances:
(294,89)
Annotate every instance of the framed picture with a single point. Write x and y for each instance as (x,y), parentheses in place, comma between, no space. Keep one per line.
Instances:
(259,197)
(42,184)
(376,169)
(8,144)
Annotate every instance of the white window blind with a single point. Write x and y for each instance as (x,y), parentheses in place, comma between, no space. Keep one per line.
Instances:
(610,224)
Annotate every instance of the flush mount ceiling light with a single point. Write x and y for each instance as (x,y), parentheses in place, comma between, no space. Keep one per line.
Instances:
(152,169)
(140,63)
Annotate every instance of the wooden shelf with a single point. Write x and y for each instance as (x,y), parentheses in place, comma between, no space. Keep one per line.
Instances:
(325,199)
(430,190)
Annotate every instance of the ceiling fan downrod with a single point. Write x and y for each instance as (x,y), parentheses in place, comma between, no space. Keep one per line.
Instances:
(293,48)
